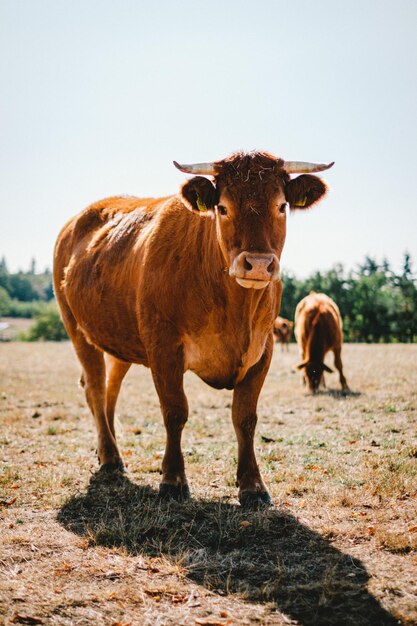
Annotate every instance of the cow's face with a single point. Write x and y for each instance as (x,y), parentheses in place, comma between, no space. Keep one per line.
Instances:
(249,198)
(251,226)
(313,374)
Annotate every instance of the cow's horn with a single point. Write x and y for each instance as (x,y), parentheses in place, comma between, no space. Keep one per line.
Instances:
(197,168)
(299,167)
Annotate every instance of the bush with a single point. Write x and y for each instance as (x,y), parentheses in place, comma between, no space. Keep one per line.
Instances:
(5,302)
(47,327)
(25,309)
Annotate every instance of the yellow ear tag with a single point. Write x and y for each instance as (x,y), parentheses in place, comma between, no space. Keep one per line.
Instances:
(201,206)
(302,202)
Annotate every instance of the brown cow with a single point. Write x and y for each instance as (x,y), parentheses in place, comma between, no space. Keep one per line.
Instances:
(318,329)
(282,331)
(186,282)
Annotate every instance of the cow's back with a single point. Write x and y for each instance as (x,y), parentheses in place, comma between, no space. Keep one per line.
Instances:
(96,271)
(319,314)
(123,262)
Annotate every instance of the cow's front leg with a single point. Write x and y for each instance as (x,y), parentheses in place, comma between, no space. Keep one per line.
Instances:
(252,490)
(168,372)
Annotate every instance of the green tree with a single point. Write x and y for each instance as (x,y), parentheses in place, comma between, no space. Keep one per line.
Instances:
(21,288)
(5,302)
(49,291)
(4,274)
(369,266)
(405,322)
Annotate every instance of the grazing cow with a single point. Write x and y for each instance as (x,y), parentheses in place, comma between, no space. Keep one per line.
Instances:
(318,329)
(282,331)
(185,282)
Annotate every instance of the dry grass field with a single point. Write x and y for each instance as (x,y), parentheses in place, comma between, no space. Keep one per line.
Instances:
(338,547)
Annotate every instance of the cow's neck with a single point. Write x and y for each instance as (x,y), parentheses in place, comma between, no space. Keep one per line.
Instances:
(241,303)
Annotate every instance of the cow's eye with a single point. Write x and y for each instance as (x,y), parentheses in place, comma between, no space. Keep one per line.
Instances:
(283,207)
(222,210)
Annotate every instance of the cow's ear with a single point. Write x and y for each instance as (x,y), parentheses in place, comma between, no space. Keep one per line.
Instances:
(199,194)
(301,366)
(327,369)
(304,191)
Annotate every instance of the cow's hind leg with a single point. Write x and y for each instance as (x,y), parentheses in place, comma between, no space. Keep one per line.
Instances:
(252,490)
(116,371)
(93,380)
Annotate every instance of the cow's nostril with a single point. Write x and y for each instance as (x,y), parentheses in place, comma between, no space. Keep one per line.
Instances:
(271,267)
(246,264)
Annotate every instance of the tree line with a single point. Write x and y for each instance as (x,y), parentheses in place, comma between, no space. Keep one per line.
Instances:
(22,294)
(377,304)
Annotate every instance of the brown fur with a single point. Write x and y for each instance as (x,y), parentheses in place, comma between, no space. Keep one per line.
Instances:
(282,331)
(318,329)
(148,282)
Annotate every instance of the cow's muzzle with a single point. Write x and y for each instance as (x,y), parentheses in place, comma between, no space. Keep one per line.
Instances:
(255,270)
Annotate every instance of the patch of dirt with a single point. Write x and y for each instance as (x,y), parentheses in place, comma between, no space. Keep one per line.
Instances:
(11,327)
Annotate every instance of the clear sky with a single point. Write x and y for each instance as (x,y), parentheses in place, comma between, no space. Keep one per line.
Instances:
(98,97)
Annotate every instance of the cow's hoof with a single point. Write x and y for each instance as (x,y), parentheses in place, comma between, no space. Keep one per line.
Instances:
(255,499)
(114,466)
(180,493)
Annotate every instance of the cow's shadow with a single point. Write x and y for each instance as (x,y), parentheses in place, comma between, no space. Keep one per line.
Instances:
(268,556)
(338,394)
